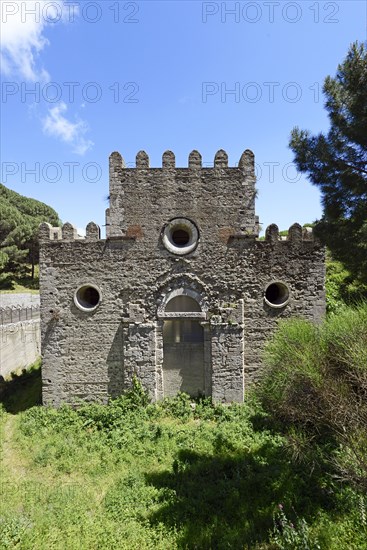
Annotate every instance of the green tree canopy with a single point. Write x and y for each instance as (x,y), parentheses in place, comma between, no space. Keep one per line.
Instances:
(337,162)
(19,221)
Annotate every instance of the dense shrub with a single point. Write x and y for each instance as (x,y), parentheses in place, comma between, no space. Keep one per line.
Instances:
(315,383)
(341,288)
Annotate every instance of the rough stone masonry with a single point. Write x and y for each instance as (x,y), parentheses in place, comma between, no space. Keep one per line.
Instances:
(181,293)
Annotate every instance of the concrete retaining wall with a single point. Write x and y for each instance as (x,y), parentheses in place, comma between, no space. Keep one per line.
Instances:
(20,337)
(21,299)
(19,346)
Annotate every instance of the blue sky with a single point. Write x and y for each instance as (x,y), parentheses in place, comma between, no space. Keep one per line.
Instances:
(173,75)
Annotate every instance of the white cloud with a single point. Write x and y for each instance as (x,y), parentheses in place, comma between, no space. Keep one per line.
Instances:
(56,124)
(22,25)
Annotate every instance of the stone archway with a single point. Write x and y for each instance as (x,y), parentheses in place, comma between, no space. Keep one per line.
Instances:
(183,347)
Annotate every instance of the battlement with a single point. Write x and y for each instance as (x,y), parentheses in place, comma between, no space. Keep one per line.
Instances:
(296,234)
(246,162)
(142,196)
(68,232)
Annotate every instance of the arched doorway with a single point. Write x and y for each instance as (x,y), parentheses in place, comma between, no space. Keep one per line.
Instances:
(183,348)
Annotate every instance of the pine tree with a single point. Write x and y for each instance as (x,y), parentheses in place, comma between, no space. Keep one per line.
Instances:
(19,221)
(337,162)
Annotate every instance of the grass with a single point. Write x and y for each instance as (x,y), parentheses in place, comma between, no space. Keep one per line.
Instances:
(288,473)
(139,476)
(18,288)
(21,284)
(171,475)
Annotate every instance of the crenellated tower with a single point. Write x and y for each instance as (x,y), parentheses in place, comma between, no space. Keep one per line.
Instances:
(180,293)
(221,194)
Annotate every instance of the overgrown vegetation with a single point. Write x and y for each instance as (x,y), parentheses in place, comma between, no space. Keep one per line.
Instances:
(286,470)
(176,474)
(19,247)
(316,387)
(341,287)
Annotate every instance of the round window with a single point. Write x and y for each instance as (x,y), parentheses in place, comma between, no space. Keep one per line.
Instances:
(87,297)
(277,294)
(180,236)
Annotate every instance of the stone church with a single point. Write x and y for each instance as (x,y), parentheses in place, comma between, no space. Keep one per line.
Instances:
(180,293)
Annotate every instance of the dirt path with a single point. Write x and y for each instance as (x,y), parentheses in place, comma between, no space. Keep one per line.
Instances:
(15,468)
(12,464)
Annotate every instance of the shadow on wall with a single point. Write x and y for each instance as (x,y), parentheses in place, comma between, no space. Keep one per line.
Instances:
(22,391)
(115,365)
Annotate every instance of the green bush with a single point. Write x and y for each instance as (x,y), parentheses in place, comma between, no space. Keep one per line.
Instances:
(315,384)
(341,288)
(293,536)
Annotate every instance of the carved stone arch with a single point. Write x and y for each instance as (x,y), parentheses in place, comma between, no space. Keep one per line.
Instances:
(182,291)
(182,285)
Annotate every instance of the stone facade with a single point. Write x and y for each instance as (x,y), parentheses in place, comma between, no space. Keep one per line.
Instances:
(181,293)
